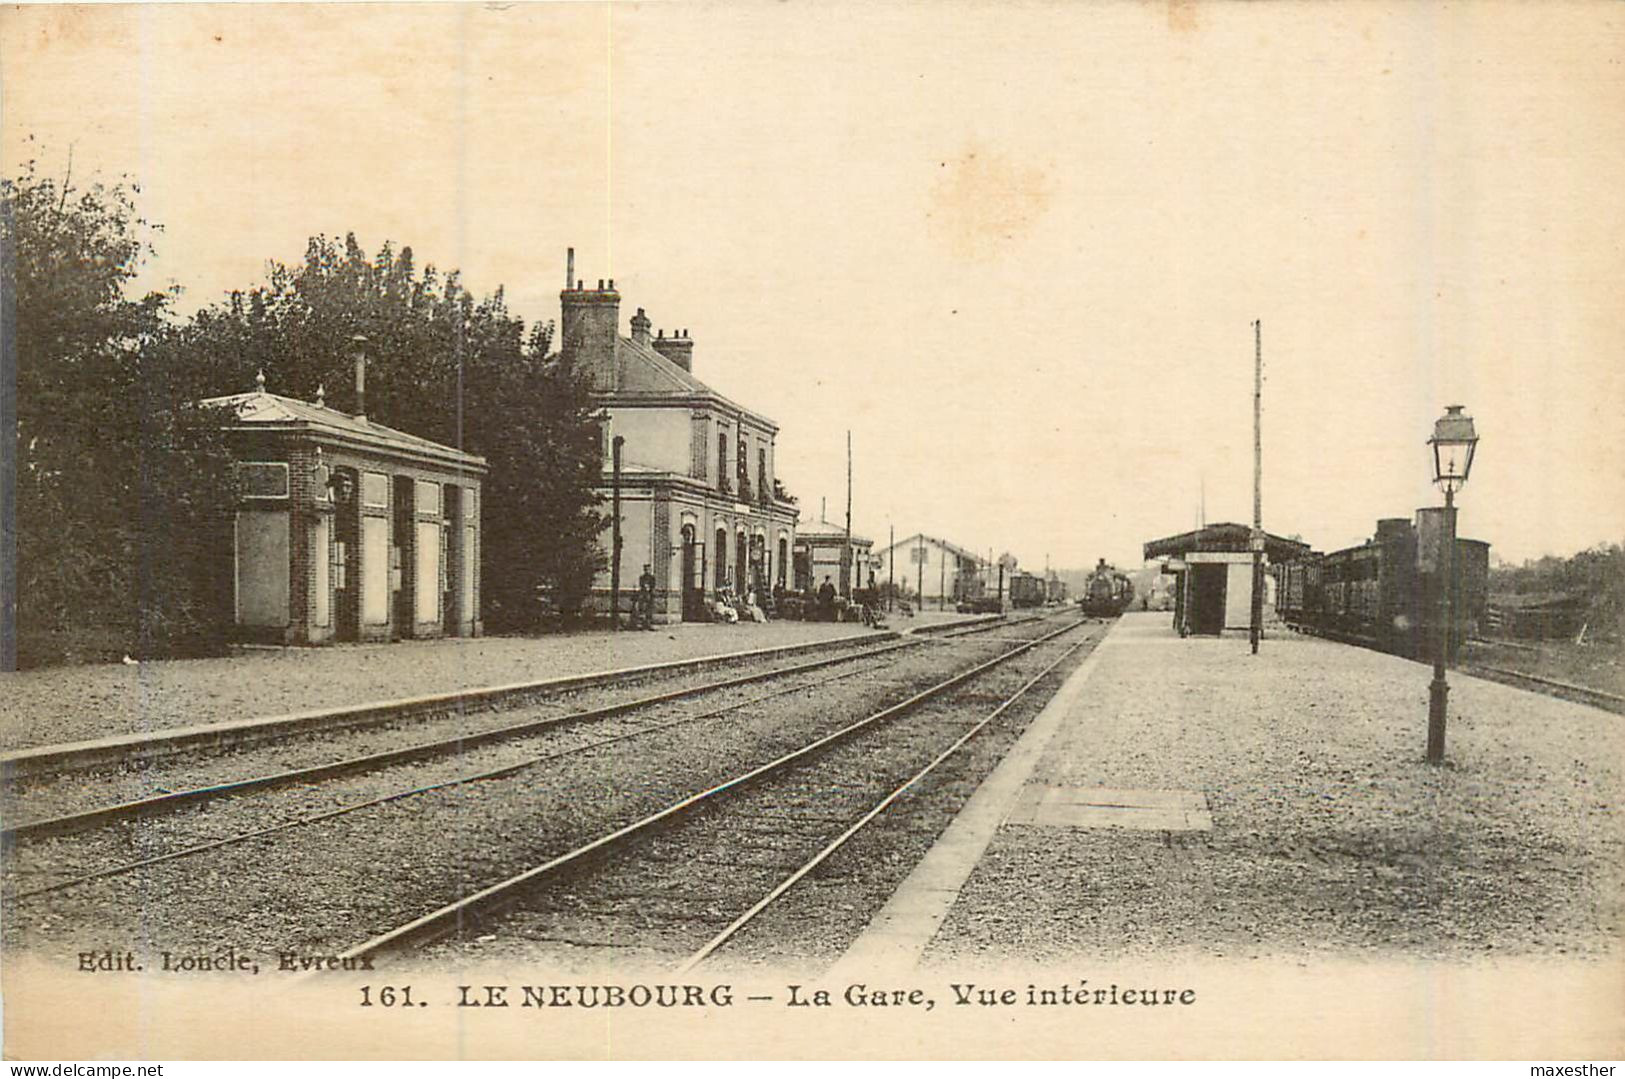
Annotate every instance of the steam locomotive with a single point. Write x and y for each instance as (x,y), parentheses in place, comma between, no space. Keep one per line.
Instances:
(1106,592)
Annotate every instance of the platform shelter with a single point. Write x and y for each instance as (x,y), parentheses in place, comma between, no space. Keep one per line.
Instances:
(1213,567)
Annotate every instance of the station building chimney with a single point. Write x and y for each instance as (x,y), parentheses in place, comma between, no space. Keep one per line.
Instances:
(590,319)
(678,348)
(640,329)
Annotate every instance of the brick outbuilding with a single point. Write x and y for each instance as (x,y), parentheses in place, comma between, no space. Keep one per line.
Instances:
(347,530)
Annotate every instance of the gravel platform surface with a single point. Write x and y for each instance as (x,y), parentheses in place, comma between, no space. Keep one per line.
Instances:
(66,704)
(1330,836)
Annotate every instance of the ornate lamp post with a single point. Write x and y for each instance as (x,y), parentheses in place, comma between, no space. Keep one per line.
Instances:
(1453,443)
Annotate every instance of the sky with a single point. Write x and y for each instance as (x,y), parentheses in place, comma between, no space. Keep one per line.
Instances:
(1016,249)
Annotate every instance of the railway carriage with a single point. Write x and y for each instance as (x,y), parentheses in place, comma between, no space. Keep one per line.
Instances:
(1383,593)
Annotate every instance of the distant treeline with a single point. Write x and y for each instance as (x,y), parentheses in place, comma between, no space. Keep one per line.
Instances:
(125,488)
(1597,573)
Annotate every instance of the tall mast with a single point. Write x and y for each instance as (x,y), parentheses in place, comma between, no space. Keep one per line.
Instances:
(1257,625)
(850,561)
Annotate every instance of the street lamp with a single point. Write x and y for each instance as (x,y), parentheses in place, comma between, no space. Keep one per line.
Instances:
(1453,443)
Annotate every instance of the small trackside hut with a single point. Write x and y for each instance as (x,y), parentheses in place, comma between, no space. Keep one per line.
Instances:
(347,530)
(1214,571)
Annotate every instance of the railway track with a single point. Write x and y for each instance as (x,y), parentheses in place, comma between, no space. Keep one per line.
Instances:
(1551,687)
(463,731)
(528,792)
(142,749)
(173,801)
(699,872)
(1533,683)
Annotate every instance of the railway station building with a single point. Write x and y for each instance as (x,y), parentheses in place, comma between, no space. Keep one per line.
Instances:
(701,504)
(938,571)
(347,530)
(1213,571)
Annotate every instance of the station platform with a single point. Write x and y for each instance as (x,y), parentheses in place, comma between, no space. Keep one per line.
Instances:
(1182,800)
(55,705)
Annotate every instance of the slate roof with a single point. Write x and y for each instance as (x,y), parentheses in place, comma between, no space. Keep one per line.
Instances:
(260,409)
(641,372)
(812,530)
(952,548)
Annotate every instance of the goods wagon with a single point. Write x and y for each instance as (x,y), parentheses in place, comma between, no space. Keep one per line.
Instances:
(1027,590)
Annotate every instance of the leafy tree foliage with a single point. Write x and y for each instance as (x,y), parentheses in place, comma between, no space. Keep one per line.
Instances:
(121,480)
(1598,573)
(443,366)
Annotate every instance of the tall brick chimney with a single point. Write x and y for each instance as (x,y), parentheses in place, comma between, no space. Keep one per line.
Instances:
(677,349)
(590,320)
(640,328)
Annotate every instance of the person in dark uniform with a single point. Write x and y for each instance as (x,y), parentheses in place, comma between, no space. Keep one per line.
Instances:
(646,599)
(826,601)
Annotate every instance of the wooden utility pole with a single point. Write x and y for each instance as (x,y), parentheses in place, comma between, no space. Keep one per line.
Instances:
(919,574)
(846,551)
(1257,629)
(891,564)
(615,541)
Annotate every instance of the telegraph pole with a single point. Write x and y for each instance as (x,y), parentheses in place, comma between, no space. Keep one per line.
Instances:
(1257,629)
(615,540)
(919,574)
(846,551)
(891,564)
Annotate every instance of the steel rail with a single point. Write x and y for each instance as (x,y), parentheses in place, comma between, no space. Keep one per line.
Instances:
(1546,687)
(466,741)
(1530,683)
(711,946)
(395,796)
(447,918)
(172,800)
(121,749)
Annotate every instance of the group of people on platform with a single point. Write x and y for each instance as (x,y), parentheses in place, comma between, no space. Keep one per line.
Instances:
(823,604)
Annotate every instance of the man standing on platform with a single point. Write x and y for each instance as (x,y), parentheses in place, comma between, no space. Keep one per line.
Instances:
(826,601)
(646,599)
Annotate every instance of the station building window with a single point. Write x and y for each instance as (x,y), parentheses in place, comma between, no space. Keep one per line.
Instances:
(374,490)
(263,479)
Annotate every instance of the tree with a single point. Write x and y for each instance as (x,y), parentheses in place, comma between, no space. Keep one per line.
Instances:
(121,480)
(442,366)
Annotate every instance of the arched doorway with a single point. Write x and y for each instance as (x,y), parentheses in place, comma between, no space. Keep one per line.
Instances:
(693,577)
(721,557)
(757,577)
(741,563)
